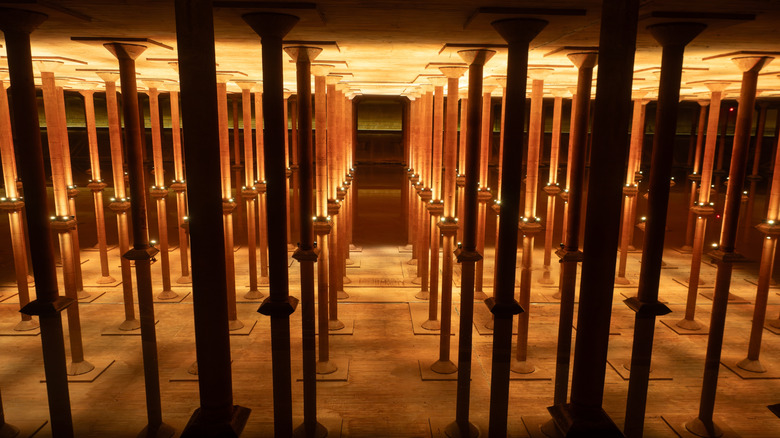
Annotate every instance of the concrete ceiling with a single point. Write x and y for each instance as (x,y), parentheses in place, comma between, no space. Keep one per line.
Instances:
(384,46)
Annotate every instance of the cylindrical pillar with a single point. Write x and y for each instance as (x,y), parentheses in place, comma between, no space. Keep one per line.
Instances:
(279,305)
(518,33)
(424,190)
(725,255)
(16,26)
(552,188)
(754,176)
(467,254)
(179,186)
(695,176)
(335,270)
(262,187)
(484,196)
(673,37)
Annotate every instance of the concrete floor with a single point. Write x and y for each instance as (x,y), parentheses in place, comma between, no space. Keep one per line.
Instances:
(383,394)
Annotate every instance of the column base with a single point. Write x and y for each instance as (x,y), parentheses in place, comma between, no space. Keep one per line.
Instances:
(106,280)
(423,294)
(167,295)
(490,325)
(545,278)
(444,367)
(522,367)
(431,324)
(199,427)
(26,325)
(82,295)
(79,368)
(341,295)
(235,324)
(327,367)
(700,428)
(193,369)
(184,279)
(8,431)
(622,281)
(253,295)
(161,431)
(347,280)
(754,366)
(129,325)
(335,324)
(480,296)
(319,431)
(456,430)
(580,421)
(689,324)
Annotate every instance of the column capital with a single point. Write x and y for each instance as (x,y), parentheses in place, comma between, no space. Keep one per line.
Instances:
(108,76)
(717,86)
(438,81)
(46,66)
(751,63)
(322,69)
(270,25)
(453,71)
(20,20)
(675,33)
(125,50)
(333,79)
(303,53)
(584,59)
(476,56)
(538,74)
(519,30)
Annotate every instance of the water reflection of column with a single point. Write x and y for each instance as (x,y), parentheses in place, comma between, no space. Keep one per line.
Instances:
(120,203)
(13,204)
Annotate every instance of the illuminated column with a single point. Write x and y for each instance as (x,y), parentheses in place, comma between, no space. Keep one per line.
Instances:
(179,186)
(72,190)
(518,33)
(413,176)
(322,225)
(467,254)
(17,25)
(239,234)
(435,206)
(13,204)
(703,208)
(630,190)
(142,252)
(97,185)
(248,189)
(497,202)
(484,196)
(460,178)
(295,186)
(159,192)
(673,37)
(637,159)
(725,255)
(754,177)
(565,193)
(344,193)
(228,203)
(120,203)
(448,224)
(306,254)
(424,191)
(529,224)
(62,222)
(335,276)
(695,176)
(552,188)
(771,228)
(287,188)
(262,186)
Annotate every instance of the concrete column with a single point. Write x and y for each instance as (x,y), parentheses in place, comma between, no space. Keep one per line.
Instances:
(673,37)
(142,252)
(236,166)
(695,176)
(306,254)
(62,221)
(13,204)
(158,191)
(552,188)
(279,305)
(249,189)
(771,228)
(96,185)
(565,193)
(497,202)
(17,25)
(460,178)
(569,255)
(484,196)
(424,191)
(217,415)
(414,177)
(530,225)
(179,186)
(120,202)
(725,255)
(754,176)
(322,225)
(435,206)
(703,208)
(448,224)
(630,190)
(343,195)
(228,202)
(262,187)
(467,253)
(335,198)
(291,244)
(518,33)
(617,44)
